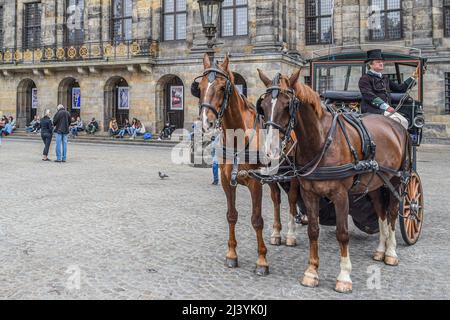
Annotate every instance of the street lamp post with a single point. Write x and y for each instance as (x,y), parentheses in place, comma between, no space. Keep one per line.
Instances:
(209,12)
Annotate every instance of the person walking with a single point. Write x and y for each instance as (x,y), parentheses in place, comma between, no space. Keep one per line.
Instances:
(46,134)
(61,122)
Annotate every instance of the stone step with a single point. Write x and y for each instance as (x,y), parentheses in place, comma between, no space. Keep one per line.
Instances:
(139,141)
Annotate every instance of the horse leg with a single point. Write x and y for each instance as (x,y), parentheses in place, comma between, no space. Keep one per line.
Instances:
(380,210)
(311,277)
(341,204)
(390,257)
(275,192)
(291,240)
(232,217)
(262,267)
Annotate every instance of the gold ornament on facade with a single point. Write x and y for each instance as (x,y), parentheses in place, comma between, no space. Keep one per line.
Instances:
(84,52)
(135,48)
(28,56)
(96,52)
(60,53)
(121,49)
(8,56)
(18,55)
(49,53)
(108,50)
(72,52)
(38,54)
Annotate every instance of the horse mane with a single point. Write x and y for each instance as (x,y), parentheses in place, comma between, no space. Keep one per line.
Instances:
(308,96)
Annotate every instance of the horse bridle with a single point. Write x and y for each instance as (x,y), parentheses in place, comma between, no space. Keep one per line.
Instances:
(212,75)
(294,103)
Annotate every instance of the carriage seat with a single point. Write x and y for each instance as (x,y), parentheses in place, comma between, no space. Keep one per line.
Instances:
(355,96)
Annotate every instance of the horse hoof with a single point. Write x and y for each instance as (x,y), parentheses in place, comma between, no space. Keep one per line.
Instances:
(262,271)
(231,263)
(378,256)
(291,242)
(343,287)
(304,220)
(391,261)
(275,241)
(310,281)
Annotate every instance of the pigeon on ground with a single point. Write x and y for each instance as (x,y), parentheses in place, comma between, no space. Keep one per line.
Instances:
(162,175)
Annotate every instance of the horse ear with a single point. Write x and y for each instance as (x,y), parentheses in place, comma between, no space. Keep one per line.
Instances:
(206,61)
(265,79)
(226,62)
(294,77)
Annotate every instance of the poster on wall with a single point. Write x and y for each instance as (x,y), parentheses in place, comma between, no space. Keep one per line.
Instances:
(76,98)
(123,98)
(176,98)
(34,99)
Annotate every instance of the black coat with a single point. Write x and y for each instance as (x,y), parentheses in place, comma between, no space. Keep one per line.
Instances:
(46,127)
(61,121)
(376,90)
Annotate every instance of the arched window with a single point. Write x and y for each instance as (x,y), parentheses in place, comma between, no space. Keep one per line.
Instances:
(27,102)
(74,26)
(69,95)
(122,17)
(170,101)
(117,101)
(240,83)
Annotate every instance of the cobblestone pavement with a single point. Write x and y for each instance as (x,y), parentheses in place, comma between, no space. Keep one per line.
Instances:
(104,226)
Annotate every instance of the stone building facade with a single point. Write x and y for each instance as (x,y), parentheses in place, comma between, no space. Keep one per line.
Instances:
(137,58)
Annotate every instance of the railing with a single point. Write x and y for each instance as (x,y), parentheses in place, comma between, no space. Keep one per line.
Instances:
(109,51)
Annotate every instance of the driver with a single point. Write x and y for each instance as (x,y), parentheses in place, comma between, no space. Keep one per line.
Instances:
(375,88)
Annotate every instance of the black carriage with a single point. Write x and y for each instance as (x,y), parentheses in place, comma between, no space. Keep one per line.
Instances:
(335,77)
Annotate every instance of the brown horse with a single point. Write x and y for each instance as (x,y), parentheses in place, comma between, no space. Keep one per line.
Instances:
(312,124)
(220,101)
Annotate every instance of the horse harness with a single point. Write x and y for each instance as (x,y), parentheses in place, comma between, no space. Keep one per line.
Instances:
(212,73)
(311,170)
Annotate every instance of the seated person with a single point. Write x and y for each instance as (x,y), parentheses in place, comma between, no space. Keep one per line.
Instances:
(2,126)
(30,127)
(92,127)
(79,126)
(375,88)
(166,132)
(10,126)
(126,128)
(138,129)
(37,125)
(113,127)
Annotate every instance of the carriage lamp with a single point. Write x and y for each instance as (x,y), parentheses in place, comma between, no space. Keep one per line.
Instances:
(209,12)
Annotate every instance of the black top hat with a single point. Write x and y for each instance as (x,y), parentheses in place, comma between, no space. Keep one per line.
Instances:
(374,55)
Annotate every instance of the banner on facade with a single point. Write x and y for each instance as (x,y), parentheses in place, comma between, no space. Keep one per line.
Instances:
(34,98)
(123,98)
(76,98)
(176,98)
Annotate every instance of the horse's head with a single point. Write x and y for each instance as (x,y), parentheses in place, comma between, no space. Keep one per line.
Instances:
(215,87)
(278,106)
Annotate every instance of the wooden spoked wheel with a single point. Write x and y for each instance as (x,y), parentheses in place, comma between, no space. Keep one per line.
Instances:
(411,210)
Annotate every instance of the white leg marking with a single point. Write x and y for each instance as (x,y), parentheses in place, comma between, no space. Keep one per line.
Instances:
(384,234)
(291,227)
(391,243)
(346,269)
(276,234)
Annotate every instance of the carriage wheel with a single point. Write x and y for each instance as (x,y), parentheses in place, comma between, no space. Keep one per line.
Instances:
(411,210)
